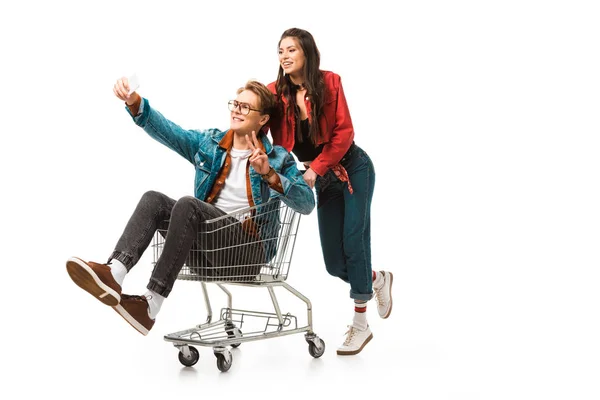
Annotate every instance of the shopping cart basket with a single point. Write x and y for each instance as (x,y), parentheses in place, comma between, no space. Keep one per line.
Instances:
(250,247)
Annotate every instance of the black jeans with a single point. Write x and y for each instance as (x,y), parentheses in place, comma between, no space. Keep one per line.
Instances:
(182,220)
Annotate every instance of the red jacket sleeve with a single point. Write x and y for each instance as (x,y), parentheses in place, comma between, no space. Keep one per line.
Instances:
(341,136)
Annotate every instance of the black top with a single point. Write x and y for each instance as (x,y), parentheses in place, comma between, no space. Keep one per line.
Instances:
(304,148)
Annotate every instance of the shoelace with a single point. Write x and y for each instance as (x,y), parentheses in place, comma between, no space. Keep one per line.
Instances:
(136,297)
(351,332)
(379,296)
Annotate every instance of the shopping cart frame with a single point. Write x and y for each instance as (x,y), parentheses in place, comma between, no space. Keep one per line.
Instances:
(226,331)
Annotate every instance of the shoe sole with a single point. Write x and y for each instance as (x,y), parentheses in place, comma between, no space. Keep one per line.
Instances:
(391,302)
(353,352)
(85,277)
(132,321)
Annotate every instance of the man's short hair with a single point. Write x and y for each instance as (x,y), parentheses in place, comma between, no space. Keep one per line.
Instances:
(266,98)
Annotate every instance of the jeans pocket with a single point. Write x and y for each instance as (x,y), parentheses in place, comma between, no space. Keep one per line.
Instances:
(324,181)
(359,161)
(328,186)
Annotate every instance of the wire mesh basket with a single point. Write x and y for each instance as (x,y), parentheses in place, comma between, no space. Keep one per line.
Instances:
(249,245)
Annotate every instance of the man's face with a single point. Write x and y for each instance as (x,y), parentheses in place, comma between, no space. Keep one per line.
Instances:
(244,117)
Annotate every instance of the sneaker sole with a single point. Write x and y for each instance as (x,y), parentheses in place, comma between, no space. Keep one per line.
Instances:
(86,278)
(353,352)
(391,302)
(132,321)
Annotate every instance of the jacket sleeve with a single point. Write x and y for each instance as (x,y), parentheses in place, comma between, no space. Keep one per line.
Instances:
(184,142)
(341,137)
(296,193)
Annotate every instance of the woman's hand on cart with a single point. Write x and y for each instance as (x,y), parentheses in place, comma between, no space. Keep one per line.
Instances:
(310,177)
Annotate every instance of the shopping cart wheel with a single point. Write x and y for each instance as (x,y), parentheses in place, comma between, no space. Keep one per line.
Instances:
(233,333)
(224,359)
(192,359)
(316,348)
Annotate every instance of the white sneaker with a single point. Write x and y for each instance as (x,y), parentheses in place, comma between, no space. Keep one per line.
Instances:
(355,341)
(383,295)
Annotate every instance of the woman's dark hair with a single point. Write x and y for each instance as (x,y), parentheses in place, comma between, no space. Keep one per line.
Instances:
(314,84)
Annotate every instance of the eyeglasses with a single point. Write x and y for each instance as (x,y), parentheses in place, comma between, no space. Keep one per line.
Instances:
(243,107)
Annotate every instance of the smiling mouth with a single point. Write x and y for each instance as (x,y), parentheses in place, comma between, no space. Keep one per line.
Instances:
(237,119)
(286,64)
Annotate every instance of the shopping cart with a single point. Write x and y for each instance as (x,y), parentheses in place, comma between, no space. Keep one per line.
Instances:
(251,247)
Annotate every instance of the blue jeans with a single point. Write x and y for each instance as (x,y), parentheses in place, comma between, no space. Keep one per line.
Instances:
(345,223)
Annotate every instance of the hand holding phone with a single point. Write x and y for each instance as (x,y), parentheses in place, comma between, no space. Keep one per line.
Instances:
(125,87)
(134,83)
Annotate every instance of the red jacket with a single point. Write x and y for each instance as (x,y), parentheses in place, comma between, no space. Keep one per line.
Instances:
(335,125)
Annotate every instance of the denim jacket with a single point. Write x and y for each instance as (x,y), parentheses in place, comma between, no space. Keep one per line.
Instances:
(202,149)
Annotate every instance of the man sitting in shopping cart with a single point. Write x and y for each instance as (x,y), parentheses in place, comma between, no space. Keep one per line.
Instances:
(235,169)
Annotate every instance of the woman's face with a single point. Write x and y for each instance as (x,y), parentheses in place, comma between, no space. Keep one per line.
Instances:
(291,56)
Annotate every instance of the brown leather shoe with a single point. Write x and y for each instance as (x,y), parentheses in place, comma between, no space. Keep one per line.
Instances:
(135,311)
(96,279)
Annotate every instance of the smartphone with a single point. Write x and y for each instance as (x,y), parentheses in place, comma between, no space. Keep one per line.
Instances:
(134,83)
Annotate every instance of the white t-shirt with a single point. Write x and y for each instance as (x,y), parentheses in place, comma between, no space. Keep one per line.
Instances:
(233,196)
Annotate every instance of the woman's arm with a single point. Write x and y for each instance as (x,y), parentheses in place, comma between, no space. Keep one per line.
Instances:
(342,133)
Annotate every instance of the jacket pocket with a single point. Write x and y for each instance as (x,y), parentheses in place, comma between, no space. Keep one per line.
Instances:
(203,166)
(330,96)
(202,161)
(327,121)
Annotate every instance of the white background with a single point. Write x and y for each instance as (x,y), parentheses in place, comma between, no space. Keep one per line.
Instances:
(482,121)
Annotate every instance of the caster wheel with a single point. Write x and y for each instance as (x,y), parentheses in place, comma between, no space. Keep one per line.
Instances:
(316,350)
(192,359)
(233,333)
(222,362)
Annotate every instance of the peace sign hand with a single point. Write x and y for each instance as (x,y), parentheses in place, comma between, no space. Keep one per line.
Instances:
(258,158)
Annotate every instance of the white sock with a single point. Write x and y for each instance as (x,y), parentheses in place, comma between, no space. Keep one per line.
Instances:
(360,315)
(379,280)
(118,271)
(155,301)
